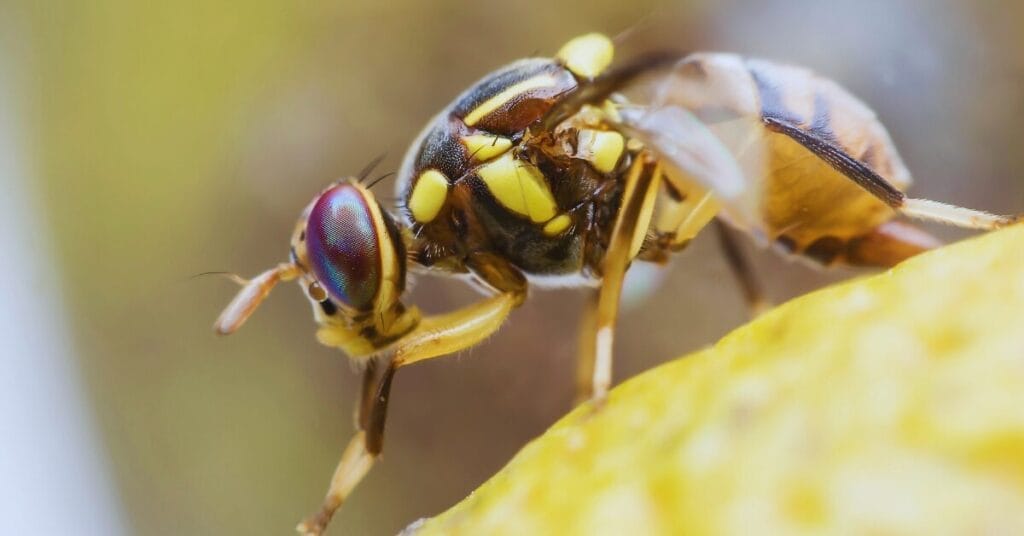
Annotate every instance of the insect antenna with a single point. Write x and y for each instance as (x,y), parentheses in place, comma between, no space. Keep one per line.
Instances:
(392,202)
(643,23)
(378,179)
(368,168)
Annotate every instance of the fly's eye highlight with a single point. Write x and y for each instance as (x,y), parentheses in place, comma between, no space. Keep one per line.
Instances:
(316,292)
(344,246)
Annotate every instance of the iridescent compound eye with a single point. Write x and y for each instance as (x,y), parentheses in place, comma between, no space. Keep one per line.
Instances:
(344,245)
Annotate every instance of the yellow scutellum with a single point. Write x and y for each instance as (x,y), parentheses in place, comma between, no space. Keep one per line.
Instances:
(887,405)
(506,96)
(587,55)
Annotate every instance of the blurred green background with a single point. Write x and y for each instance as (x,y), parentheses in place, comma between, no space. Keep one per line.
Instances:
(160,140)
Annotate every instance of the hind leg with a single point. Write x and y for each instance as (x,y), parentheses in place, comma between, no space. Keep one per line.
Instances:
(742,271)
(862,174)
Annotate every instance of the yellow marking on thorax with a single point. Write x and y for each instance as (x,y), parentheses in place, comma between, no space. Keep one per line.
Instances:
(587,55)
(519,187)
(428,196)
(510,93)
(602,149)
(557,225)
(483,147)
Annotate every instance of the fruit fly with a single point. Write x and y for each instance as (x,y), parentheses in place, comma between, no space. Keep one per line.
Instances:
(563,171)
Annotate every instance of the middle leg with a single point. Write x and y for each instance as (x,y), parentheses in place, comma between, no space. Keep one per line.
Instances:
(586,350)
(739,265)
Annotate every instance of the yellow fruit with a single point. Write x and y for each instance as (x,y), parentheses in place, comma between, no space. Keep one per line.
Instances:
(892,404)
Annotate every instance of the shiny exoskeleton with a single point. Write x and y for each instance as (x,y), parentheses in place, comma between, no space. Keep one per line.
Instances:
(480,187)
(564,171)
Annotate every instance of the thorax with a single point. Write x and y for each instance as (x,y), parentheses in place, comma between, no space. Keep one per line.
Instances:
(479,178)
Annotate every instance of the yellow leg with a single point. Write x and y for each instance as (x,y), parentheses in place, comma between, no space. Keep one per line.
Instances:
(630,226)
(444,334)
(585,350)
(968,218)
(435,336)
(355,463)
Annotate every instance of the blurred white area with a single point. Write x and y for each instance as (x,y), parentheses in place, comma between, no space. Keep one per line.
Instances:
(916,63)
(54,477)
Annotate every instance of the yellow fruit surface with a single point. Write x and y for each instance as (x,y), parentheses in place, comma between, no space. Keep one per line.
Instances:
(892,404)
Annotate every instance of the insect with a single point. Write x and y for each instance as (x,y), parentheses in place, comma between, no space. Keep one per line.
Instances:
(563,171)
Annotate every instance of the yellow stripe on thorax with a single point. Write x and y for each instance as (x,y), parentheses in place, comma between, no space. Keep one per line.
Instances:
(510,93)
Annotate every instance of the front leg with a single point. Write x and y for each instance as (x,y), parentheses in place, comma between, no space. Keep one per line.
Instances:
(356,460)
(435,336)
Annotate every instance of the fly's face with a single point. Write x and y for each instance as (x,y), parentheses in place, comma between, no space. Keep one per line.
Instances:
(349,256)
(353,259)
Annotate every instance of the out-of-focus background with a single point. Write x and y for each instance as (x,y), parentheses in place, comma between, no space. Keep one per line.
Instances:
(142,143)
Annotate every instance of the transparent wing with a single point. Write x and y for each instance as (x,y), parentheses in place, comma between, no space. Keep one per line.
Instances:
(702,119)
(828,172)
